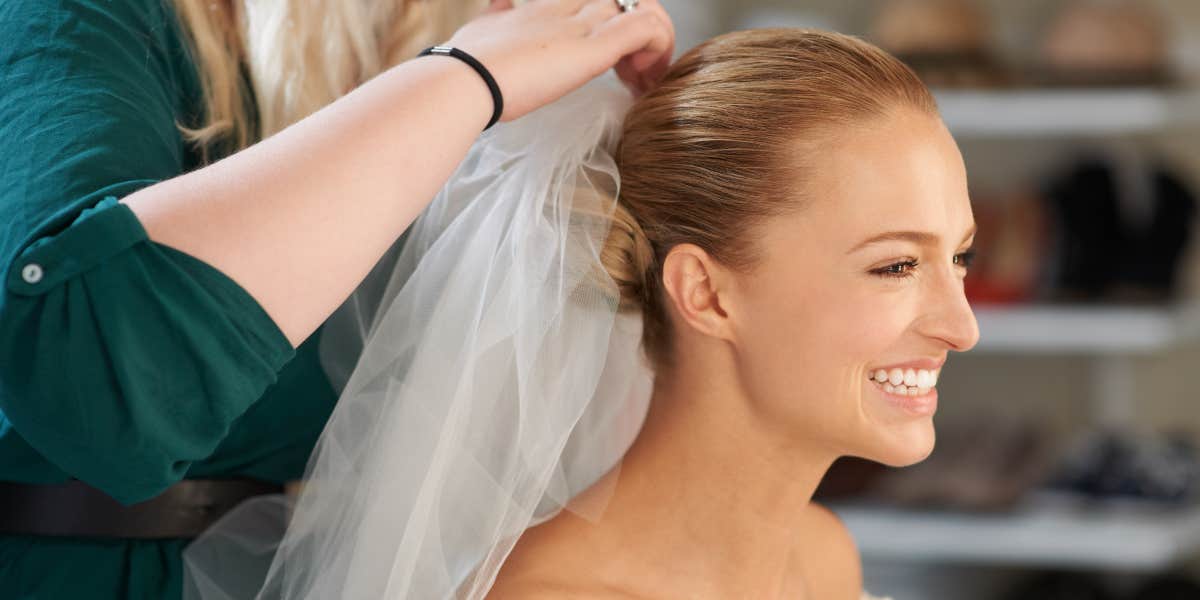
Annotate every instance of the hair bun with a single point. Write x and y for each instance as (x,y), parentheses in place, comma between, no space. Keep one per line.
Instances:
(628,258)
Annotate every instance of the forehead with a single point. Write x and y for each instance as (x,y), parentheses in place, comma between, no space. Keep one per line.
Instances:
(902,171)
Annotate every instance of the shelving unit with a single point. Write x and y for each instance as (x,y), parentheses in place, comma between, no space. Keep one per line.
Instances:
(1117,540)
(1066,112)
(1112,337)
(1089,330)
(933,547)
(1049,535)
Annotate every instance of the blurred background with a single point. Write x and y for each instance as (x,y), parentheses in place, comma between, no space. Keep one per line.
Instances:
(1067,464)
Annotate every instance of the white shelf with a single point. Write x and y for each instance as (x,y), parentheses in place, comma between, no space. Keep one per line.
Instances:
(1042,113)
(1084,329)
(1128,540)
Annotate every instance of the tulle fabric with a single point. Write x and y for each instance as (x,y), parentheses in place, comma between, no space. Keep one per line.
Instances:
(496,381)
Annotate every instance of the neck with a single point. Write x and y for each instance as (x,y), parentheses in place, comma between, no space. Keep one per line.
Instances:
(717,494)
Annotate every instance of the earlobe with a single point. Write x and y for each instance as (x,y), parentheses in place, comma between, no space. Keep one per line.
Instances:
(691,280)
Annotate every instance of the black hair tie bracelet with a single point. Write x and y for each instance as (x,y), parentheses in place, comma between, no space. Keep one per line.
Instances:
(497,98)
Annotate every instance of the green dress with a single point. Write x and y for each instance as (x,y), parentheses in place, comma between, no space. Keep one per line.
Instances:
(123,363)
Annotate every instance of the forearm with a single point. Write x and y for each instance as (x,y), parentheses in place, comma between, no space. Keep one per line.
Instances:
(299,219)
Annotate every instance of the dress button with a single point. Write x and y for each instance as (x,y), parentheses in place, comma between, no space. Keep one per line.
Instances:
(32,273)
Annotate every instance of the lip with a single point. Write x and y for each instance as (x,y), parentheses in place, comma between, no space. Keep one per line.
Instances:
(929,364)
(917,406)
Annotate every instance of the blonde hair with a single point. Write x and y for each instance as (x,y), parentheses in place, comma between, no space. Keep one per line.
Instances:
(718,147)
(300,55)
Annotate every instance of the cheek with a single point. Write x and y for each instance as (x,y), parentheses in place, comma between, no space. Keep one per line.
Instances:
(803,343)
(785,332)
(804,349)
(840,324)
(870,322)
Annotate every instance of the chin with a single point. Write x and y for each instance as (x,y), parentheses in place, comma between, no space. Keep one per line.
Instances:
(904,445)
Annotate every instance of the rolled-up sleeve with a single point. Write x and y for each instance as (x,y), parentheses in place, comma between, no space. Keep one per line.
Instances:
(122,361)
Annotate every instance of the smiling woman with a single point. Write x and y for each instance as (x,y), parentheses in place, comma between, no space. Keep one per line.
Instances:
(793,220)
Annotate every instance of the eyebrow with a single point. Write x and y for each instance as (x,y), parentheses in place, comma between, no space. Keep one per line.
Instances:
(922,238)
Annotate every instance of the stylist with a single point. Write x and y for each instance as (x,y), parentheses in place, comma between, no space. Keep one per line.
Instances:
(164,270)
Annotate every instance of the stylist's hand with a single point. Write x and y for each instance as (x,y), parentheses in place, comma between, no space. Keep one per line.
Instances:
(543,49)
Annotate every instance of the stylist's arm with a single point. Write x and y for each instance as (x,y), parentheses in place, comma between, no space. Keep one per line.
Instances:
(300,218)
(154,309)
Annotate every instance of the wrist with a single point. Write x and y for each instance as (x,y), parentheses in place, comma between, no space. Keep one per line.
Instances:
(458,89)
(482,71)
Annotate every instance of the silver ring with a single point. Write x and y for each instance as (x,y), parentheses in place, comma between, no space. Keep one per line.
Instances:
(627,5)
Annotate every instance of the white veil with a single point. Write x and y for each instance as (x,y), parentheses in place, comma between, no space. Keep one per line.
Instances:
(496,381)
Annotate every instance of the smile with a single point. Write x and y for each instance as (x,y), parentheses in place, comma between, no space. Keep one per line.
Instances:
(905,382)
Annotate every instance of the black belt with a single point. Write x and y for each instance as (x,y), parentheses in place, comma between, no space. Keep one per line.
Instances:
(75,509)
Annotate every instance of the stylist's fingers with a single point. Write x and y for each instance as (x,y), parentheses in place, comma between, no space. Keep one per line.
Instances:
(663,60)
(596,12)
(637,29)
(645,39)
(563,7)
(645,79)
(657,7)
(498,5)
(543,49)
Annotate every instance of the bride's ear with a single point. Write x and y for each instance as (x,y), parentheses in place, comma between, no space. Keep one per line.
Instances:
(697,287)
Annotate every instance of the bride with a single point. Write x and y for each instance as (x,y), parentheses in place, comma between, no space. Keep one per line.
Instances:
(619,351)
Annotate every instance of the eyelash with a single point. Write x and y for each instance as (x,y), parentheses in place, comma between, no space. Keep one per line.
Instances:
(963,259)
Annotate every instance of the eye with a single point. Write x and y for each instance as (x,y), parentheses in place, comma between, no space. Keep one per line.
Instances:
(901,269)
(965,259)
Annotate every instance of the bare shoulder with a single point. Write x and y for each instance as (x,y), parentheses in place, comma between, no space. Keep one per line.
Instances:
(511,589)
(549,590)
(832,560)
(556,560)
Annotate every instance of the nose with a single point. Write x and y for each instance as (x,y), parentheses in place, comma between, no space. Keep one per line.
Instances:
(949,317)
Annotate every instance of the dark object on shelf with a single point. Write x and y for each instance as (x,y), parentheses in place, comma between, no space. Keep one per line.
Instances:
(1104,44)
(1087,222)
(1121,466)
(848,477)
(944,41)
(1011,244)
(1060,586)
(1101,253)
(1168,587)
(1156,250)
(972,70)
(1086,586)
(985,466)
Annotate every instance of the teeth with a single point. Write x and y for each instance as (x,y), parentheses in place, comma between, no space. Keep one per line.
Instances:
(924,379)
(903,390)
(906,382)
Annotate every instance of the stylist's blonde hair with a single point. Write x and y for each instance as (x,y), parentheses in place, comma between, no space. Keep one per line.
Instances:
(300,55)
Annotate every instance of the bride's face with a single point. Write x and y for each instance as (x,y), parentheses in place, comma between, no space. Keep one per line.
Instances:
(865,280)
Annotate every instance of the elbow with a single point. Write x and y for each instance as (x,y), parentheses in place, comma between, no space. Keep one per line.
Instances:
(61,392)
